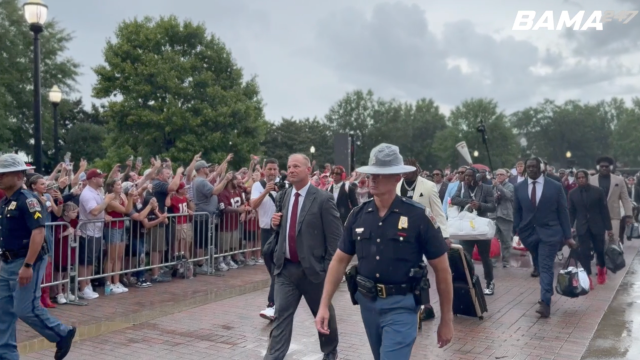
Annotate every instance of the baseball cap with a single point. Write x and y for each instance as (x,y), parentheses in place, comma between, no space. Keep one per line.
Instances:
(182,185)
(201,165)
(94,173)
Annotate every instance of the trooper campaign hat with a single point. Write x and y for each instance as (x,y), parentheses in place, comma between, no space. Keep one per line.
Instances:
(12,163)
(385,159)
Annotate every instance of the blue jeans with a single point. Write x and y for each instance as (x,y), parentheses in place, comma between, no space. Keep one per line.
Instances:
(391,325)
(23,302)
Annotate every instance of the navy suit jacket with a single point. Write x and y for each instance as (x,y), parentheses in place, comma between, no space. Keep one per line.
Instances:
(549,220)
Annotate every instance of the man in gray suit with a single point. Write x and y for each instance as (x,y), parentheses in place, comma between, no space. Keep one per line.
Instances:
(309,233)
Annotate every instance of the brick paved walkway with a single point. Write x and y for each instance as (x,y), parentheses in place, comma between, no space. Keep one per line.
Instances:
(231,328)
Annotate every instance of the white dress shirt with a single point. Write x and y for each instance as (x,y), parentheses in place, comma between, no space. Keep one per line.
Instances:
(539,185)
(336,191)
(303,193)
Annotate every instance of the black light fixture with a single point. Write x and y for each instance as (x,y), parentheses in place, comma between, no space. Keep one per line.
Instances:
(55,96)
(35,12)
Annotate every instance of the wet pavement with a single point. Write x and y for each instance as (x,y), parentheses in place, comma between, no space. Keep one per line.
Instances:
(618,334)
(231,328)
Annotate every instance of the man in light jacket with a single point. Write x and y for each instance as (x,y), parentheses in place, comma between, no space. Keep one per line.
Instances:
(503,195)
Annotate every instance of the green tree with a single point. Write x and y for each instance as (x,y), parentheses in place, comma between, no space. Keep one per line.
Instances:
(16,77)
(353,114)
(297,136)
(585,130)
(463,122)
(85,140)
(173,90)
(626,147)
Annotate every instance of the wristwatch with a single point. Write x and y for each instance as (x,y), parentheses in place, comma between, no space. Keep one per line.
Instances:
(27,265)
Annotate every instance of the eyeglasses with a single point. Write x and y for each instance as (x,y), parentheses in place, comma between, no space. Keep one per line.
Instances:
(437,174)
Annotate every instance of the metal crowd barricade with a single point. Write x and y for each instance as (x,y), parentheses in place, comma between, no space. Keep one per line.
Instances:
(129,247)
(61,267)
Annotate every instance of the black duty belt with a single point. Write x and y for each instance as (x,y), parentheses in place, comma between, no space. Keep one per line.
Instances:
(9,255)
(390,290)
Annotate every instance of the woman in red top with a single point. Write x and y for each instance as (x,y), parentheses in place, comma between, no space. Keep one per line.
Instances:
(183,239)
(61,260)
(114,234)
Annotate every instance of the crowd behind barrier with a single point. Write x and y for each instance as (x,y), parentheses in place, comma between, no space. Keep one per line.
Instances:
(129,251)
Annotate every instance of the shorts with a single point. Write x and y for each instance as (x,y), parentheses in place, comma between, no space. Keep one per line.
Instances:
(201,229)
(113,235)
(229,240)
(184,233)
(155,239)
(89,250)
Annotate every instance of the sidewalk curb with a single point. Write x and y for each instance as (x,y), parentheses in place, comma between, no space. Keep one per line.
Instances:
(104,327)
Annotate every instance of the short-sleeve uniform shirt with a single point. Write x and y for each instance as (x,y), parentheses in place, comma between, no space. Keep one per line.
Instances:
(20,214)
(389,247)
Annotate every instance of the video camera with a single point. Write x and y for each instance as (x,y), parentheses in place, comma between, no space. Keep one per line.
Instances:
(282,184)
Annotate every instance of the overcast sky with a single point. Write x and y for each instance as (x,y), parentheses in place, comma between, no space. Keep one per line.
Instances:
(307,54)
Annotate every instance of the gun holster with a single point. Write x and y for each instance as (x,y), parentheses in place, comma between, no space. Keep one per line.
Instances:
(352,284)
(421,293)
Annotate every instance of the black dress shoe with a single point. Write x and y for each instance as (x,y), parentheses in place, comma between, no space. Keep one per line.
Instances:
(544,310)
(64,345)
(331,356)
(535,273)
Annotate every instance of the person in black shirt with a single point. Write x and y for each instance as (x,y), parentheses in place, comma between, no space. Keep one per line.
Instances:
(137,229)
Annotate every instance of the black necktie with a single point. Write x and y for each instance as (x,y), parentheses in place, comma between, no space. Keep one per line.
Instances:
(533,193)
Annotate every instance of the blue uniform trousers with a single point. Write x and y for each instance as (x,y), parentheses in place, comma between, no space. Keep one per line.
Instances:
(543,254)
(391,325)
(24,302)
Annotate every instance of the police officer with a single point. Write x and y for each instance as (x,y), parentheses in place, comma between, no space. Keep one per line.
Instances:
(390,235)
(23,262)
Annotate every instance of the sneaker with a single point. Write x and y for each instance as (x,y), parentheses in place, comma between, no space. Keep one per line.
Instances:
(60,299)
(91,290)
(87,294)
(260,261)
(229,263)
(70,297)
(125,282)
(115,290)
(221,266)
(491,288)
(160,279)
(269,313)
(119,285)
(204,270)
(251,262)
(143,283)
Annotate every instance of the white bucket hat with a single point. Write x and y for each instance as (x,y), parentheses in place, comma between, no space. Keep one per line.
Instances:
(385,159)
(12,163)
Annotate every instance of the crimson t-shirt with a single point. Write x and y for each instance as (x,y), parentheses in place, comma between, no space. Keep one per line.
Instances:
(229,199)
(179,206)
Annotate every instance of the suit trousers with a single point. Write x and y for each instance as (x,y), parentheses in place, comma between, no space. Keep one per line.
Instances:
(587,239)
(484,250)
(291,285)
(265,235)
(504,232)
(543,254)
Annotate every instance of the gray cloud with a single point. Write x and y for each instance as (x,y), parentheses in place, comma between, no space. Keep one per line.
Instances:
(393,48)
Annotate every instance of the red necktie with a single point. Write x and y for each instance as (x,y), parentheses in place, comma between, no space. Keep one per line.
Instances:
(293,226)
(533,193)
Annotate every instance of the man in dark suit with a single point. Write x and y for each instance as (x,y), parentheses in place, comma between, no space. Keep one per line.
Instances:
(589,213)
(310,229)
(441,185)
(343,193)
(541,220)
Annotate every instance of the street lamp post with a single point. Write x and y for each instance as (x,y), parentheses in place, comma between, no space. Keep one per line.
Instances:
(35,12)
(55,96)
(475,153)
(312,151)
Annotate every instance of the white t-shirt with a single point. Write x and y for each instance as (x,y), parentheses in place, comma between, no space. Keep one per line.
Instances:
(89,199)
(267,208)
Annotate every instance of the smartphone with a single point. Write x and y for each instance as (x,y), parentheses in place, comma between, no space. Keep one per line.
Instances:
(67,159)
(131,158)
(139,161)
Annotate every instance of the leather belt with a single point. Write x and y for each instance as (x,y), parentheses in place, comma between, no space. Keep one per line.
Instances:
(390,290)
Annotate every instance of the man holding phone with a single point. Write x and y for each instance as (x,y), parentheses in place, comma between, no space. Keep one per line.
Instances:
(263,194)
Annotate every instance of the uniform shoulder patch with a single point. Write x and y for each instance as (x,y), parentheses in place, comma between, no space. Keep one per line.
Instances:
(414,203)
(33,205)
